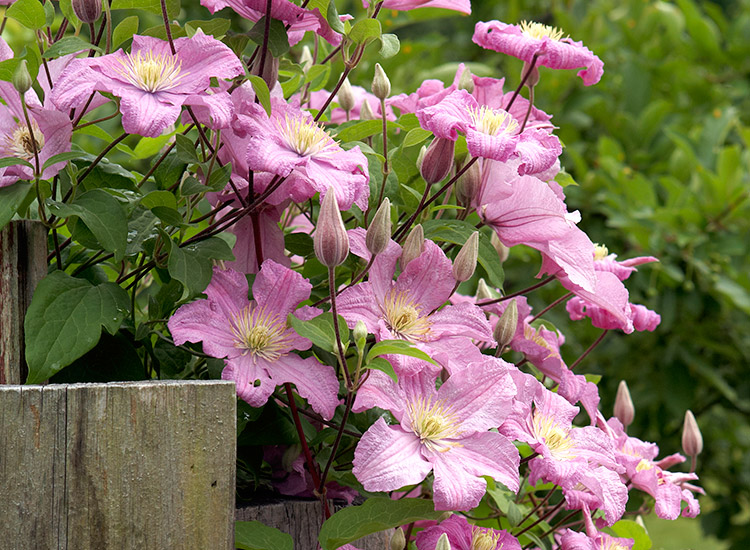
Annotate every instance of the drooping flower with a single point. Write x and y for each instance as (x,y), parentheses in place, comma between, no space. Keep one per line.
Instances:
(254,336)
(464,536)
(152,83)
(444,431)
(547,44)
(592,539)
(464,6)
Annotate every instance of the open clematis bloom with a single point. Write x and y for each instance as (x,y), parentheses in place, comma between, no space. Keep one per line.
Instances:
(254,336)
(464,6)
(152,83)
(464,536)
(444,431)
(592,539)
(529,41)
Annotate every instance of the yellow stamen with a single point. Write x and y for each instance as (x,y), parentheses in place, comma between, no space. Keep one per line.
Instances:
(304,136)
(600,252)
(539,31)
(261,333)
(484,539)
(492,122)
(644,465)
(434,423)
(21,142)
(555,437)
(530,333)
(404,317)
(151,73)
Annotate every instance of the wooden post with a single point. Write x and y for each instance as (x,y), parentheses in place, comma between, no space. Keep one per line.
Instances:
(23,263)
(129,465)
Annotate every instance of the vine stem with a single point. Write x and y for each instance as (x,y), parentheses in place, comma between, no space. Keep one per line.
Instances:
(523,81)
(589,349)
(341,356)
(551,306)
(519,293)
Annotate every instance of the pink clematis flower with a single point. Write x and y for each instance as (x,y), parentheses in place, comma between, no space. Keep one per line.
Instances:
(254,336)
(292,145)
(49,134)
(152,83)
(444,431)
(407,309)
(464,6)
(429,93)
(592,539)
(529,41)
(464,536)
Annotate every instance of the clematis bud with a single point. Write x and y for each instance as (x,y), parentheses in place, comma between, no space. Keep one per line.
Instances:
(443,543)
(330,240)
(533,78)
(346,96)
(692,440)
(502,251)
(270,73)
(306,59)
(398,540)
(506,326)
(366,112)
(466,260)
(87,11)
(437,160)
(465,81)
(360,334)
(21,79)
(624,408)
(468,185)
(413,246)
(381,86)
(379,233)
(484,292)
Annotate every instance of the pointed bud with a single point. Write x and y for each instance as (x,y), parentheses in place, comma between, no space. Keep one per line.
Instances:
(639,521)
(346,96)
(306,59)
(506,326)
(533,78)
(413,246)
(437,160)
(381,86)
(379,233)
(360,335)
(398,540)
(624,408)
(270,74)
(21,79)
(468,185)
(330,240)
(502,251)
(443,543)
(484,292)
(444,516)
(465,81)
(87,11)
(692,440)
(466,260)
(366,112)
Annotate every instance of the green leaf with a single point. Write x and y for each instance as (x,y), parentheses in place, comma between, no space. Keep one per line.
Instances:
(363,129)
(61,157)
(332,16)
(317,76)
(65,320)
(153,6)
(185,149)
(213,27)
(253,535)
(376,514)
(147,147)
(30,13)
(192,266)
(383,365)
(11,197)
(565,179)
(12,161)
(416,136)
(300,244)
(125,30)
(364,30)
(631,530)
(69,44)
(397,347)
(49,14)
(103,215)
(390,45)
(159,198)
(261,92)
(278,41)
(67,10)
(319,330)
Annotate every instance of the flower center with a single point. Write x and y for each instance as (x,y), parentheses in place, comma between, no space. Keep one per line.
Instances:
(403,317)
(644,465)
(261,333)
(304,136)
(151,73)
(600,252)
(611,544)
(530,333)
(434,423)
(556,438)
(539,31)
(482,539)
(22,141)
(492,122)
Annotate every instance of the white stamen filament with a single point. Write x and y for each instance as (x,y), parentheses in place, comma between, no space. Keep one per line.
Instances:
(151,73)
(434,423)
(404,317)
(304,136)
(261,333)
(539,31)
(21,142)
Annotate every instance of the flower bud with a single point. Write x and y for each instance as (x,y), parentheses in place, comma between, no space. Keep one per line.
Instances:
(21,79)
(466,260)
(330,240)
(398,540)
(360,334)
(306,59)
(366,112)
(692,440)
(533,78)
(381,86)
(502,251)
(413,246)
(443,543)
(379,233)
(624,408)
(87,11)
(506,326)
(484,292)
(465,81)
(437,160)
(468,185)
(270,74)
(346,96)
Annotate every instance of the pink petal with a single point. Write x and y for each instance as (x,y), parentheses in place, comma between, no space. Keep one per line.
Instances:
(314,381)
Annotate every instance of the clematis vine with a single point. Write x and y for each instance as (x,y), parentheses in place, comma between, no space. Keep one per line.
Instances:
(464,536)
(254,338)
